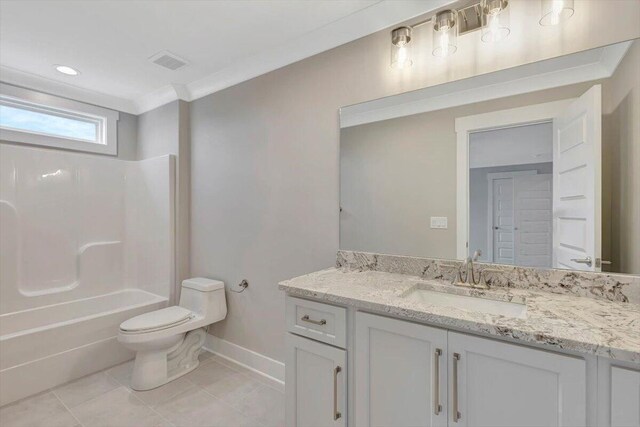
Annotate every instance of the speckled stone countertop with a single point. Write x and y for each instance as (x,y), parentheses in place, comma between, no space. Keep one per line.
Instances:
(586,325)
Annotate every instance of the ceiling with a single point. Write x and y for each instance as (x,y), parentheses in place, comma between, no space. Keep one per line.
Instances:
(224,43)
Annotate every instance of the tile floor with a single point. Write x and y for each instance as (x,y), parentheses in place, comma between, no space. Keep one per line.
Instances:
(218,393)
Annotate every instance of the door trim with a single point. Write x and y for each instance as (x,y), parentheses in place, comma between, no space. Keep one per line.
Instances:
(466,125)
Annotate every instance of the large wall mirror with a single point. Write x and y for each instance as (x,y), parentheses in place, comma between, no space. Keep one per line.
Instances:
(537,166)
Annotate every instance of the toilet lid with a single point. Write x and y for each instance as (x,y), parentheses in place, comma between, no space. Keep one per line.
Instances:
(156,320)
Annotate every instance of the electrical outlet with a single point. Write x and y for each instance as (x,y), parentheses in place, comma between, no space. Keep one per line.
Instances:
(439,222)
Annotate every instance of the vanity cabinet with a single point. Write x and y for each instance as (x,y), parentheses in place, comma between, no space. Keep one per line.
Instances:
(619,394)
(316,372)
(346,367)
(400,373)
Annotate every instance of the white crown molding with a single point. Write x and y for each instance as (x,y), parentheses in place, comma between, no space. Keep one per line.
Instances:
(366,21)
(562,71)
(53,87)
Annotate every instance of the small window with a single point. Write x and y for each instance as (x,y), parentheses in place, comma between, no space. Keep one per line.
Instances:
(35,118)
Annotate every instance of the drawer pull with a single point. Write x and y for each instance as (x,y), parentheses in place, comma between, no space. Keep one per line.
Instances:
(437,407)
(305,318)
(336,414)
(456,413)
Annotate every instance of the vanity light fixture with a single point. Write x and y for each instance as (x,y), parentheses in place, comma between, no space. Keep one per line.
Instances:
(401,48)
(489,16)
(65,69)
(445,33)
(555,12)
(495,20)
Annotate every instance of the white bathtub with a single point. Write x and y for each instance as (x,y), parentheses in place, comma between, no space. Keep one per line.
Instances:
(47,346)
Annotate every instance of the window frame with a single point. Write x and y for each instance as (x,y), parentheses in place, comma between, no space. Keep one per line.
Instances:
(106,121)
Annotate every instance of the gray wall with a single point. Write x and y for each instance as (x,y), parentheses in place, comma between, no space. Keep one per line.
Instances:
(265,185)
(478,198)
(621,165)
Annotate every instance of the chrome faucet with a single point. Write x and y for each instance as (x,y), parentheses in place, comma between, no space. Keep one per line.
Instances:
(469,278)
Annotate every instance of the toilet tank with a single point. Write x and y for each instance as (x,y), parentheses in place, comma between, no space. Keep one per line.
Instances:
(205,297)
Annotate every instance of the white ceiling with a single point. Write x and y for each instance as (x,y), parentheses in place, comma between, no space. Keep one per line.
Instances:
(224,42)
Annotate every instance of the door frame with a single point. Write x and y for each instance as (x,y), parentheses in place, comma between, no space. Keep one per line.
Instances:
(490,178)
(512,117)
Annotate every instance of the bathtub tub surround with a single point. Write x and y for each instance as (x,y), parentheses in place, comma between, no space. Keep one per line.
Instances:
(607,286)
(167,342)
(86,244)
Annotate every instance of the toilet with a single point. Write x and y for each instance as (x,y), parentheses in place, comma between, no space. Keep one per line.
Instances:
(167,342)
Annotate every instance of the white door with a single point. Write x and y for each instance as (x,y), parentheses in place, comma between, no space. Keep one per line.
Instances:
(315,384)
(577,184)
(533,196)
(503,239)
(494,384)
(400,373)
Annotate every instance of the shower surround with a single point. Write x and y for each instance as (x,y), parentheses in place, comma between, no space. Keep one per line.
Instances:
(86,242)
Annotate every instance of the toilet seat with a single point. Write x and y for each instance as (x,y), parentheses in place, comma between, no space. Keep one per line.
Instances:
(156,320)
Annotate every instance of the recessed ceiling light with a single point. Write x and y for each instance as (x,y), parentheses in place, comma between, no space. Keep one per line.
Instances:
(64,69)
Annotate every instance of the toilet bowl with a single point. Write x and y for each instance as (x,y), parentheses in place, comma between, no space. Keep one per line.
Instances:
(167,342)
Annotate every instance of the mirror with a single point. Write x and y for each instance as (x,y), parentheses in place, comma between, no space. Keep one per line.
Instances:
(537,166)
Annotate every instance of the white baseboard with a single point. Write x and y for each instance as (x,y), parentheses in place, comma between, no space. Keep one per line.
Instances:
(250,359)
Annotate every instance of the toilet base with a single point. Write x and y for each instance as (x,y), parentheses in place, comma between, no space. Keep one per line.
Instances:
(152,369)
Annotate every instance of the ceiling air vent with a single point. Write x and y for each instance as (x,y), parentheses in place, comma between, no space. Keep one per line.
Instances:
(168,60)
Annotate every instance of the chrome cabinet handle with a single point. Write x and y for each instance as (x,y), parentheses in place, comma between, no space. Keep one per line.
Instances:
(586,260)
(305,318)
(437,407)
(336,414)
(456,413)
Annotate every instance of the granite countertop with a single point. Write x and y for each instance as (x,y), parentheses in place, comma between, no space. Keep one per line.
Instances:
(586,325)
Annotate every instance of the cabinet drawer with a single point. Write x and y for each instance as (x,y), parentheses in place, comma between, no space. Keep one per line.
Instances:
(322,322)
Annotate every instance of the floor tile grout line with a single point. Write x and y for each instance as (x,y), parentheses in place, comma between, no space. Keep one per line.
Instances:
(67,408)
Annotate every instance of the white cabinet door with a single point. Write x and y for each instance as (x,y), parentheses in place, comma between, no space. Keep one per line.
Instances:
(618,393)
(315,384)
(625,397)
(497,384)
(400,373)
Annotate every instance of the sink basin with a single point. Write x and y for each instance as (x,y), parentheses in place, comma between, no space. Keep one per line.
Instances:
(482,305)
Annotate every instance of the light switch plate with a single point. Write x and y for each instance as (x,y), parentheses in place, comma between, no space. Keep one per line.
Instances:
(439,222)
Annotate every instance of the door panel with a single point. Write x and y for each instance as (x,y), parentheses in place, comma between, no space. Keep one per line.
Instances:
(577,183)
(396,364)
(533,218)
(315,383)
(501,384)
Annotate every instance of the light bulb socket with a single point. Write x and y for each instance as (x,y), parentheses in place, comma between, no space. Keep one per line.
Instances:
(494,6)
(444,20)
(401,36)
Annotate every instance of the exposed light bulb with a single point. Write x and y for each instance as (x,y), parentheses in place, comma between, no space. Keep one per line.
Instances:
(556,10)
(444,42)
(403,56)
